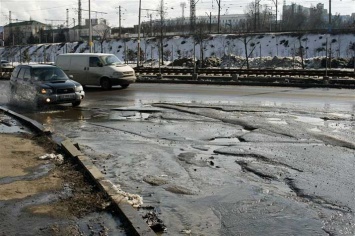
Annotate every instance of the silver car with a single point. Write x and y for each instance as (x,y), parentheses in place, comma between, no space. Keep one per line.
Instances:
(5,64)
(45,84)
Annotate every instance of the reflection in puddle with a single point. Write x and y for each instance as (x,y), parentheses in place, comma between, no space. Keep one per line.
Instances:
(310,120)
(128,116)
(277,121)
(225,140)
(338,115)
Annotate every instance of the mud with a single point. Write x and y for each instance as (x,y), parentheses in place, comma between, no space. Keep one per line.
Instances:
(41,197)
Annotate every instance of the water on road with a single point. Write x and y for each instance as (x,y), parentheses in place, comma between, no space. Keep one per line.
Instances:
(215,160)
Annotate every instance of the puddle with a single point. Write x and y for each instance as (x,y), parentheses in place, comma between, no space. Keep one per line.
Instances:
(338,115)
(128,115)
(225,140)
(315,130)
(8,125)
(276,121)
(40,172)
(310,120)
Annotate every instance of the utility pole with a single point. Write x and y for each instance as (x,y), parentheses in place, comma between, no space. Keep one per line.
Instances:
(67,18)
(330,15)
(139,34)
(275,2)
(74,30)
(193,16)
(210,21)
(90,29)
(219,15)
(79,18)
(183,5)
(11,31)
(119,21)
(161,32)
(119,17)
(150,19)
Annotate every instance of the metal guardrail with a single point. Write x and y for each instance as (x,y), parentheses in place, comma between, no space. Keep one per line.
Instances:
(5,72)
(6,69)
(245,72)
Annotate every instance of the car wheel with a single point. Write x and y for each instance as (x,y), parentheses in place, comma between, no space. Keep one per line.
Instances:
(76,103)
(124,86)
(106,84)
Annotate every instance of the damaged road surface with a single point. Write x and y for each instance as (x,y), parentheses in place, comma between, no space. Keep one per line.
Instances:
(220,160)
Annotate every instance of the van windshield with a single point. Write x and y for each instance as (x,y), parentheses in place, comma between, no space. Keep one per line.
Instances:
(111,60)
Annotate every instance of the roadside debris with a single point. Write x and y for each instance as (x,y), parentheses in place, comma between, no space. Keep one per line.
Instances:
(133,199)
(57,157)
(154,222)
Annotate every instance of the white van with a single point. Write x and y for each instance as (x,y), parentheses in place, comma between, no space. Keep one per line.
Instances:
(101,69)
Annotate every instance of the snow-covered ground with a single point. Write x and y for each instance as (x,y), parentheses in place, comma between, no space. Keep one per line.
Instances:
(261,48)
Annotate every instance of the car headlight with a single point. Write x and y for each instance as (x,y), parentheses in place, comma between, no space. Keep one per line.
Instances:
(116,74)
(46,91)
(79,88)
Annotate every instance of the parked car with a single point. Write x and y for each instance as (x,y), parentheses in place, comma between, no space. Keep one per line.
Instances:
(100,69)
(45,84)
(4,64)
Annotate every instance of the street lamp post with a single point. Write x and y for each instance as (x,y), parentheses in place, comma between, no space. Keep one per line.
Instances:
(330,15)
(90,29)
(139,34)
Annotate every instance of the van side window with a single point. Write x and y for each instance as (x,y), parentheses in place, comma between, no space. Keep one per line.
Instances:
(93,61)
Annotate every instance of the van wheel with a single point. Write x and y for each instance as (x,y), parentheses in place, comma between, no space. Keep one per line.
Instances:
(106,84)
(124,86)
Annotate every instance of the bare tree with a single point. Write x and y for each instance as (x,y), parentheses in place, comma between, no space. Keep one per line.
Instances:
(316,19)
(247,41)
(294,18)
(103,31)
(200,37)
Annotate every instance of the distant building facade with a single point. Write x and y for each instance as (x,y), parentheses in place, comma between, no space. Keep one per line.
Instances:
(19,32)
(100,30)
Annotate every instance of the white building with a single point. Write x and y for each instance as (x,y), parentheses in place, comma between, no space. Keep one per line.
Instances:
(23,30)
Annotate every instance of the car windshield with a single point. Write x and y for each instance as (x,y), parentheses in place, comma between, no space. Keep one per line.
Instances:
(48,74)
(111,60)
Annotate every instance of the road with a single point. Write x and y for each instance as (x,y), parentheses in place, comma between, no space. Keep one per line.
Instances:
(222,160)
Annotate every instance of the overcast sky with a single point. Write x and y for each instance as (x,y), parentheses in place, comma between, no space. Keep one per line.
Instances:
(45,10)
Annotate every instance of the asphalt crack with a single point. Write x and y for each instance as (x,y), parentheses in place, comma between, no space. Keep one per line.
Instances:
(315,199)
(258,157)
(245,167)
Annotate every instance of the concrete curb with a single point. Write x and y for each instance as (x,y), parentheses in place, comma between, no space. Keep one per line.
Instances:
(127,211)
(130,215)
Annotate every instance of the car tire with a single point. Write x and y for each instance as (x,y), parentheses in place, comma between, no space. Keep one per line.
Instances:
(76,103)
(124,86)
(106,84)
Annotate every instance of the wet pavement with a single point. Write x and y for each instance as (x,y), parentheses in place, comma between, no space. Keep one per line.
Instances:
(268,163)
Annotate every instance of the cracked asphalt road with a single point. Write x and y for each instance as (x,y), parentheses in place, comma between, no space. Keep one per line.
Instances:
(219,160)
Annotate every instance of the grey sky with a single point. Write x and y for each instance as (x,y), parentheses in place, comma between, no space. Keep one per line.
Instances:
(42,10)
